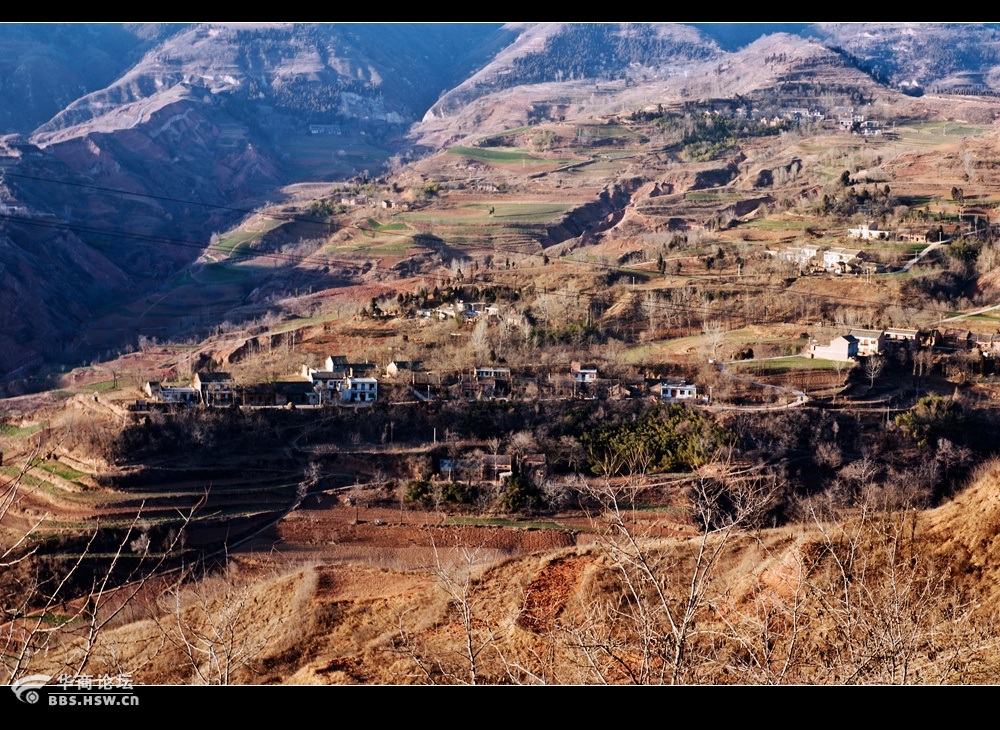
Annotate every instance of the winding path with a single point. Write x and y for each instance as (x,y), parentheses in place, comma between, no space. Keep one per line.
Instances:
(923,252)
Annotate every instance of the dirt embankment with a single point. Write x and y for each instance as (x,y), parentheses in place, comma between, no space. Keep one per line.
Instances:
(598,215)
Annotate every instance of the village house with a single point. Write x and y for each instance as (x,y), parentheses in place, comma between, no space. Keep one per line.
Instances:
(216,389)
(335,363)
(486,371)
(486,383)
(868,232)
(484,389)
(398,368)
(584,379)
(844,347)
(871,128)
(447,311)
(799,254)
(177,394)
(257,395)
(341,367)
(359,390)
(493,468)
(535,468)
(895,336)
(870,342)
(583,374)
(496,467)
(326,383)
(295,393)
(324,129)
(988,344)
(672,390)
(955,339)
(911,235)
(362,369)
(838,260)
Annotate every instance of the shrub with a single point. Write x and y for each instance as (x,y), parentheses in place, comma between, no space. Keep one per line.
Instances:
(418,490)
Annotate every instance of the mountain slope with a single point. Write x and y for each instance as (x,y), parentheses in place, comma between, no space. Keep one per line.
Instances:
(44,67)
(321,73)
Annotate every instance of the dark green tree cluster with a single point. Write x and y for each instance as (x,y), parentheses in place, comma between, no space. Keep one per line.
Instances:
(933,417)
(666,438)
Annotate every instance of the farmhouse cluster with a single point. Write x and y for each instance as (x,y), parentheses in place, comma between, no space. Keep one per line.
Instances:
(874,342)
(339,383)
(342,383)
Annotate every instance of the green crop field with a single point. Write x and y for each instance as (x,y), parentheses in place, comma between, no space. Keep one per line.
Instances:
(376,226)
(501,522)
(923,134)
(605,131)
(786,364)
(18,432)
(226,246)
(490,154)
(771,224)
(537,212)
(59,469)
(219,273)
(706,196)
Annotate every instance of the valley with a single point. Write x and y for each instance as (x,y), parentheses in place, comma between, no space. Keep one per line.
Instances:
(677,372)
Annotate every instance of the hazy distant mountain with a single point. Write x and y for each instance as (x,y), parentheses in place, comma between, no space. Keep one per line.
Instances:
(44,67)
(326,73)
(557,52)
(949,56)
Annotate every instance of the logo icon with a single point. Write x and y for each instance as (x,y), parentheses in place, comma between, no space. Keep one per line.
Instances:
(25,688)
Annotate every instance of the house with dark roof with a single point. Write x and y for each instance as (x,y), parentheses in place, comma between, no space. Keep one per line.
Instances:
(844,347)
(955,339)
(295,393)
(216,389)
(870,342)
(672,390)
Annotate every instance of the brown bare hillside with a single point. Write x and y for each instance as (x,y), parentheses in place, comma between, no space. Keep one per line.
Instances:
(766,607)
(966,528)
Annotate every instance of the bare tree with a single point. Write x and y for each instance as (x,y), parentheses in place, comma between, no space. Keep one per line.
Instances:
(715,333)
(651,633)
(456,570)
(38,587)
(874,365)
(214,622)
(891,614)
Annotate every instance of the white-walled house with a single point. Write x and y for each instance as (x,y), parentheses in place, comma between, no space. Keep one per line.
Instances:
(844,347)
(326,383)
(583,373)
(868,232)
(900,334)
(335,362)
(799,254)
(487,371)
(870,342)
(836,259)
(674,390)
(217,389)
(359,390)
(180,394)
